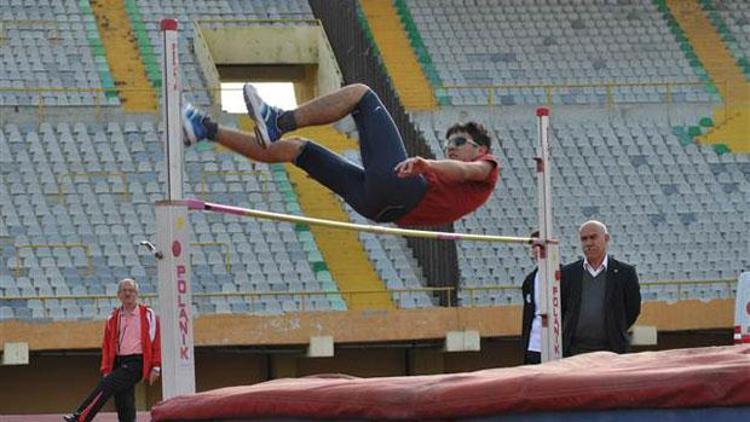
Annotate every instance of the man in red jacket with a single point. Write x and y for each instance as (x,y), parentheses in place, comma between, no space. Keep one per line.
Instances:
(131,350)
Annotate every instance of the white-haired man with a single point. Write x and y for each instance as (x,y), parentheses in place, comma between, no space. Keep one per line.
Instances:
(601,297)
(131,351)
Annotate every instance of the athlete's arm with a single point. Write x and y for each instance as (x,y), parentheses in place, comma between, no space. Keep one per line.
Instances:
(449,170)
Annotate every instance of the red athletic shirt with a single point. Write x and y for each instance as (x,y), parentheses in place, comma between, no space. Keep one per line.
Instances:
(446,201)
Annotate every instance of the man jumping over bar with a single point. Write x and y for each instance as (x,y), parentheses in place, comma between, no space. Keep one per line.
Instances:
(389,187)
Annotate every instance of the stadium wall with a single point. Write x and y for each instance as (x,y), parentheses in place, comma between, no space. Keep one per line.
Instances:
(305,44)
(359,326)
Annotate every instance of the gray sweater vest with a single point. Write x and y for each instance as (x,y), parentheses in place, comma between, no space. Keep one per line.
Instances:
(591,333)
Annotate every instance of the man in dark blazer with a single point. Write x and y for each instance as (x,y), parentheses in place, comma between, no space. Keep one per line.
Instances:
(531,334)
(601,297)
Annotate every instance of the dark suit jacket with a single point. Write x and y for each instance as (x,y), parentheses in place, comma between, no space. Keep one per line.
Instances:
(529,308)
(622,303)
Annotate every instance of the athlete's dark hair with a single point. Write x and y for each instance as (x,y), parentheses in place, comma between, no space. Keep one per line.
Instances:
(477,131)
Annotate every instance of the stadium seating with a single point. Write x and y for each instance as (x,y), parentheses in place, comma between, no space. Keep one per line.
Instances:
(675,211)
(732,20)
(152,12)
(90,187)
(51,45)
(554,43)
(76,195)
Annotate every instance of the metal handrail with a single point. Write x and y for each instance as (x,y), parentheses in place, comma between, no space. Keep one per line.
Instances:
(86,249)
(123,176)
(227,252)
(350,293)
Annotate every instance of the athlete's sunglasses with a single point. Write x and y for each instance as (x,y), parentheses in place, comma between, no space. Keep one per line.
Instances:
(458,141)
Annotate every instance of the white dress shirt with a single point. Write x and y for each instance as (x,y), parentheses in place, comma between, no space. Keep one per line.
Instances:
(595,271)
(535,336)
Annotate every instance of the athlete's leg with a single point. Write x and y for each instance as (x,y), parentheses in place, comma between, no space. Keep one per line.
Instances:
(197,125)
(381,148)
(272,122)
(331,107)
(333,171)
(282,151)
(374,192)
(377,194)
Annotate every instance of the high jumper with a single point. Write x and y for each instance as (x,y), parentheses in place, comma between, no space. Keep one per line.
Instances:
(389,186)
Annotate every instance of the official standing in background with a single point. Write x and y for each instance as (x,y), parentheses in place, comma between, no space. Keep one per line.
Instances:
(131,351)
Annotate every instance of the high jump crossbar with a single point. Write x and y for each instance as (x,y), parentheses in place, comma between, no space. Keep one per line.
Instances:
(196,204)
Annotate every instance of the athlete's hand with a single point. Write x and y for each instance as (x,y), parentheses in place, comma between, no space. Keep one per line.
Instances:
(411,167)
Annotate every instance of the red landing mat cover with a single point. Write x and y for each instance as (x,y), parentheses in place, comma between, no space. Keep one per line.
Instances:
(703,377)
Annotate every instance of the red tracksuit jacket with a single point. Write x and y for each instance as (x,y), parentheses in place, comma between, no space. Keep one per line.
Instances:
(150,339)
